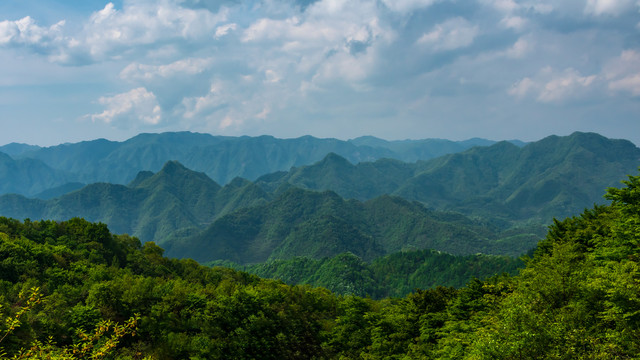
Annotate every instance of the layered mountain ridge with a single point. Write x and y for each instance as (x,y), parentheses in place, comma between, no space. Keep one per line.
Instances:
(495,199)
(222,158)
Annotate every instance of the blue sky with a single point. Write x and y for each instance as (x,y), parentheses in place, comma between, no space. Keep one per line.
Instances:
(498,69)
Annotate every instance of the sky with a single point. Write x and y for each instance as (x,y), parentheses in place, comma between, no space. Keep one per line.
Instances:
(73,70)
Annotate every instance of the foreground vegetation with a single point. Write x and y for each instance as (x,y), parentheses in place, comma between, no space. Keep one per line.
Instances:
(578,297)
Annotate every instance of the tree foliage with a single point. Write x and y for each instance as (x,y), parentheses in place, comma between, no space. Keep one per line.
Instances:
(577,298)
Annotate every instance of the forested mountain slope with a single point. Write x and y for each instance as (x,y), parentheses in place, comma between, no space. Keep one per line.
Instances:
(152,207)
(192,216)
(393,275)
(321,224)
(577,298)
(222,158)
(556,176)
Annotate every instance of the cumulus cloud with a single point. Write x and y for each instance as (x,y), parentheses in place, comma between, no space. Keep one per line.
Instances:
(514,22)
(609,7)
(623,73)
(109,31)
(404,6)
(212,65)
(521,48)
(331,41)
(112,33)
(26,32)
(550,86)
(206,104)
(452,34)
(135,107)
(224,30)
(190,66)
(511,7)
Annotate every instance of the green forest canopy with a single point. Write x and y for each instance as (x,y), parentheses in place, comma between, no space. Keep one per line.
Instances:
(578,297)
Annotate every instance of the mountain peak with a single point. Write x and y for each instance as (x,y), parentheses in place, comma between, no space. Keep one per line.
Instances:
(172,167)
(333,158)
(177,176)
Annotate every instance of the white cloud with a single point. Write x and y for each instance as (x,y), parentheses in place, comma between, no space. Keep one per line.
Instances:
(112,34)
(333,40)
(630,83)
(224,30)
(521,48)
(550,86)
(505,6)
(275,61)
(190,66)
(271,76)
(405,6)
(452,34)
(608,7)
(26,31)
(109,31)
(521,88)
(514,22)
(511,7)
(204,105)
(623,72)
(564,86)
(130,108)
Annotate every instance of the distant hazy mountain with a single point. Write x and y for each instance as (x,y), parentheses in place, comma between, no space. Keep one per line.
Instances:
(28,176)
(221,158)
(556,176)
(14,149)
(414,150)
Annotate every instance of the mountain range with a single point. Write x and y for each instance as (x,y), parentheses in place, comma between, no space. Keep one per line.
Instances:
(494,199)
(553,177)
(41,171)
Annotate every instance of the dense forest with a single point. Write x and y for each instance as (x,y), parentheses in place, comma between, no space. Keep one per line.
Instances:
(74,286)
(393,275)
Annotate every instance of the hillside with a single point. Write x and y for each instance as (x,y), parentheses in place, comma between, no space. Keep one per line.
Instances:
(577,298)
(322,224)
(394,275)
(192,216)
(28,176)
(221,158)
(152,207)
(553,177)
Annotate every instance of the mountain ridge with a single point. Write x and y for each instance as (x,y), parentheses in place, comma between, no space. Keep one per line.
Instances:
(222,158)
(555,176)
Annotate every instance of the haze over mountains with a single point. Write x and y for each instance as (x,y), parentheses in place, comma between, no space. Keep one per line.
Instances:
(553,177)
(31,170)
(496,199)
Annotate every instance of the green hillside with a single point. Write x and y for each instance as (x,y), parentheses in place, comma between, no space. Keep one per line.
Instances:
(553,177)
(322,224)
(153,206)
(577,298)
(394,275)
